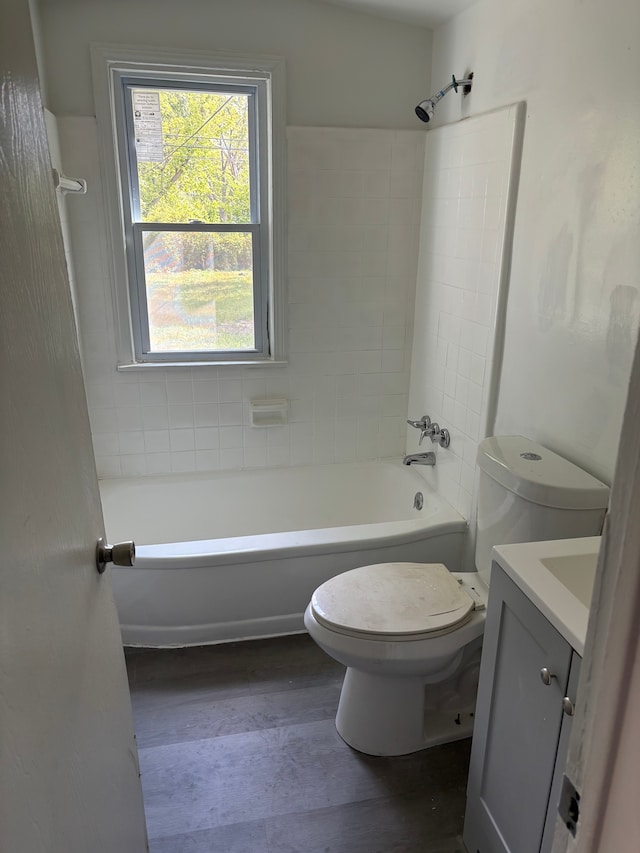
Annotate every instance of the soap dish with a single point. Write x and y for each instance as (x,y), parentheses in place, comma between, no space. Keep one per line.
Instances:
(269,411)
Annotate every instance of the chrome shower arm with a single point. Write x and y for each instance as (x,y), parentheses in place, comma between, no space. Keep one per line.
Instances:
(466,84)
(426,108)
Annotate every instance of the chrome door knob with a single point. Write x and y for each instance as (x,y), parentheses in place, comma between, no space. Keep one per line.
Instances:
(121,554)
(568,707)
(546,675)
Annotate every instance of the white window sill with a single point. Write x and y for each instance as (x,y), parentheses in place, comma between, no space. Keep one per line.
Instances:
(154,365)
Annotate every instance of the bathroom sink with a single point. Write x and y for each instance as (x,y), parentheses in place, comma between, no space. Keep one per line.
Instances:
(558,577)
(575,571)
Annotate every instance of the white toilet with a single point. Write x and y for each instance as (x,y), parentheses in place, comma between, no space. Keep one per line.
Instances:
(410,634)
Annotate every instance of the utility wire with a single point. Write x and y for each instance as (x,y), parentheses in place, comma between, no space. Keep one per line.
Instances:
(205,122)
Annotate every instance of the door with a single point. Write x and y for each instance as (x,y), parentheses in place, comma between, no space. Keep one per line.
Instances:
(518,719)
(69,776)
(561,757)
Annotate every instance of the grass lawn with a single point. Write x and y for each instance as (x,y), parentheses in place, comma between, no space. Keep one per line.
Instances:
(201,310)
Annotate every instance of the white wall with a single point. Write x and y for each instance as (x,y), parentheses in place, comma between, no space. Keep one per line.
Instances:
(344,68)
(353,247)
(354,206)
(573,298)
(53,138)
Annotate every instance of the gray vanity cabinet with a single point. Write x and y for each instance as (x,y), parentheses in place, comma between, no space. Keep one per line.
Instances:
(516,738)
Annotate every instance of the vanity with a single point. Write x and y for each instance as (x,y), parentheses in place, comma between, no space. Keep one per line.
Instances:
(533,645)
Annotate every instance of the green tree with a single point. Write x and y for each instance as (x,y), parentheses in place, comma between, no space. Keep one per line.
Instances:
(204,176)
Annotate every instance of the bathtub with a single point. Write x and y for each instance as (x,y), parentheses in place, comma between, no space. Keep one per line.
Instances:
(237,555)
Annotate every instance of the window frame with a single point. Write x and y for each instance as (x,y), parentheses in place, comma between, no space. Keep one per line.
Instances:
(115,66)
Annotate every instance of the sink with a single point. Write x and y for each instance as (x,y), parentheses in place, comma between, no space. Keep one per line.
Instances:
(575,571)
(558,577)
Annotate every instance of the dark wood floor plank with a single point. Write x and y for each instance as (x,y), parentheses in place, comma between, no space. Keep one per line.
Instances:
(239,753)
(386,825)
(237,838)
(214,687)
(254,775)
(204,717)
(200,716)
(207,783)
(223,672)
(257,660)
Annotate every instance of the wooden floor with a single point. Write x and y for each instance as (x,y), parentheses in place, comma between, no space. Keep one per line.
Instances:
(239,754)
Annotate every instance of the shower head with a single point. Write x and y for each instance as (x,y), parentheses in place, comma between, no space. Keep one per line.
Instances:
(426,108)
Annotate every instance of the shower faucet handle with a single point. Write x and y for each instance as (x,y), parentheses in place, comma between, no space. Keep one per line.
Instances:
(443,438)
(430,429)
(423,425)
(438,435)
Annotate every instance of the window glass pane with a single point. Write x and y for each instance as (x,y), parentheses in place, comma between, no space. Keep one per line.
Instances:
(199,290)
(192,152)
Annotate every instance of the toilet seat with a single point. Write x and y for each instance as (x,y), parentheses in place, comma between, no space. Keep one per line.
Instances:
(393,602)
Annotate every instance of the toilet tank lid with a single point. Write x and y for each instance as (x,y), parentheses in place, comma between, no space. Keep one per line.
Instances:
(539,475)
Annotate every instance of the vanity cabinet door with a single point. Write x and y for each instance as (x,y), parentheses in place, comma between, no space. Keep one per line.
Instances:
(561,758)
(517,726)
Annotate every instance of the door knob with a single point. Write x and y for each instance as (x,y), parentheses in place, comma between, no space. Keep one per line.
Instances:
(546,675)
(121,554)
(568,707)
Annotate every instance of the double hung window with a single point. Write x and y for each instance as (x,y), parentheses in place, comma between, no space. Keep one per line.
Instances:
(194,155)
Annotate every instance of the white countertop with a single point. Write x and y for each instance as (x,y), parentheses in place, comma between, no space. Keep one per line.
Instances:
(557,576)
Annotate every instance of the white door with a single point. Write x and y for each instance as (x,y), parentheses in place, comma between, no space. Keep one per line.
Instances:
(69,780)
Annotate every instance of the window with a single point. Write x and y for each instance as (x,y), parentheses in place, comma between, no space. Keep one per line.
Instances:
(196,162)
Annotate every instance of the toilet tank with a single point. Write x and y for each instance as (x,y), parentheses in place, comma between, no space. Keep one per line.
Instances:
(527,493)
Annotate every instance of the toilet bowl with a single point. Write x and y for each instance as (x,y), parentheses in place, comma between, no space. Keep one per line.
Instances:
(410,634)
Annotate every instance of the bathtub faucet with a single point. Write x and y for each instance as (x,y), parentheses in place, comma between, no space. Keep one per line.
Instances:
(420,459)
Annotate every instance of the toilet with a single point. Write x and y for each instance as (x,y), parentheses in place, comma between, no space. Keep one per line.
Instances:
(410,634)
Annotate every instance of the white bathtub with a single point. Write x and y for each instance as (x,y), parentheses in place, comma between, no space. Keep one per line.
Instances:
(234,555)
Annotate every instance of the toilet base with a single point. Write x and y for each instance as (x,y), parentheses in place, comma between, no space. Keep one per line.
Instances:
(381,715)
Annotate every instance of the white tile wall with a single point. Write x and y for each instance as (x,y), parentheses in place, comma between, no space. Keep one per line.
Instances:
(464,233)
(354,206)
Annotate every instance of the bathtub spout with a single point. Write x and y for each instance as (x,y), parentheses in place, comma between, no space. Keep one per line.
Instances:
(420,459)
